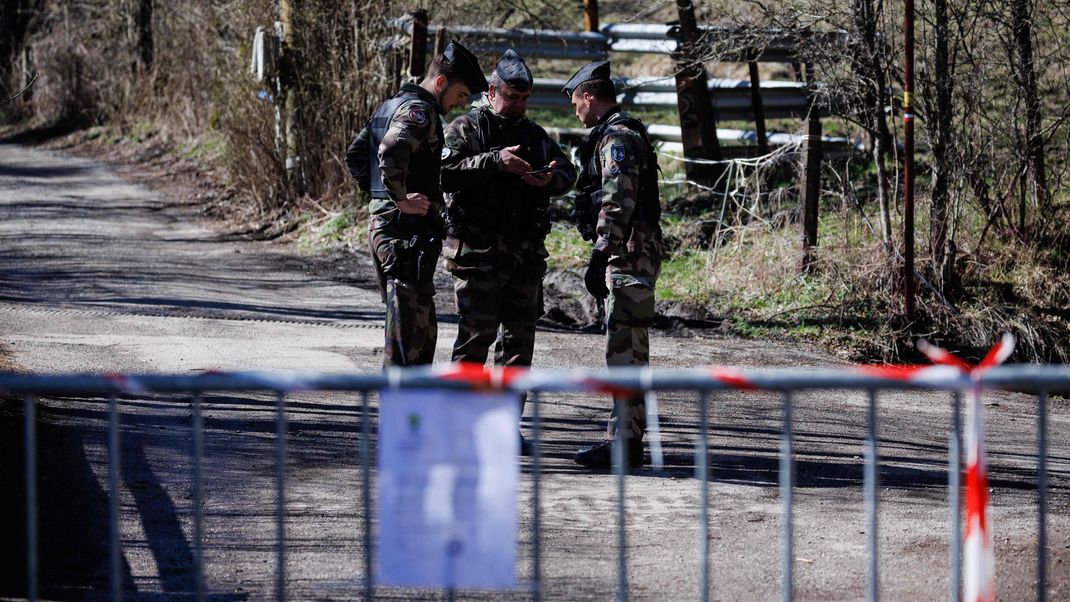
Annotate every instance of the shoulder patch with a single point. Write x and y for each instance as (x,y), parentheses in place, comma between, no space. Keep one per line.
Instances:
(616,152)
(417,115)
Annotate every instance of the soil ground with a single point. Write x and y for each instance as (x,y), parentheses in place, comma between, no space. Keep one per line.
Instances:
(104,274)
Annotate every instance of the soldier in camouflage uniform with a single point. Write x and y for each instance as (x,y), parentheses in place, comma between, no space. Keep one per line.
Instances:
(396,159)
(499,170)
(617,208)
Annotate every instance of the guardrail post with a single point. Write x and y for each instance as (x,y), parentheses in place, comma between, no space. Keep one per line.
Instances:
(418,44)
(441,40)
(759,107)
(590,15)
(698,124)
(30,457)
(811,175)
(1042,496)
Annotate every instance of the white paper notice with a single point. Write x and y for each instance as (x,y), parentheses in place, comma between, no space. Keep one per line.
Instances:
(448,475)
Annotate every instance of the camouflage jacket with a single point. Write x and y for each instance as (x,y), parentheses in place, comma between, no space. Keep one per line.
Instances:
(406,159)
(483,200)
(618,158)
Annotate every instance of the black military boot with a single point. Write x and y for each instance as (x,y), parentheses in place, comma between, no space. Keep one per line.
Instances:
(601,455)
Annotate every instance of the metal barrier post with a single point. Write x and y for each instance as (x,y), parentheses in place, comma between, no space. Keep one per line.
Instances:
(365,459)
(871,476)
(114,553)
(536,543)
(30,452)
(1042,496)
(954,458)
(198,497)
(280,502)
(618,458)
(787,477)
(702,475)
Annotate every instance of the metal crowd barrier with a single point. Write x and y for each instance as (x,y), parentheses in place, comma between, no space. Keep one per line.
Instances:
(1034,379)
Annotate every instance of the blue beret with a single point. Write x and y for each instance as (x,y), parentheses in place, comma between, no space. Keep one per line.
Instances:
(465,66)
(514,71)
(591,71)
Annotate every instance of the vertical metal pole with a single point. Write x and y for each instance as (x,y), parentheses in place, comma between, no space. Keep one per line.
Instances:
(1042,496)
(536,540)
(114,552)
(366,487)
(954,485)
(280,500)
(811,175)
(619,468)
(702,475)
(871,476)
(908,159)
(787,477)
(30,453)
(198,497)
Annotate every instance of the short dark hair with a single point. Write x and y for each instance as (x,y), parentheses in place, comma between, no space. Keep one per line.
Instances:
(602,89)
(442,66)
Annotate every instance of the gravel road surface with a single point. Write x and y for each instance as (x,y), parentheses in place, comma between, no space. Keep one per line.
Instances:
(103,275)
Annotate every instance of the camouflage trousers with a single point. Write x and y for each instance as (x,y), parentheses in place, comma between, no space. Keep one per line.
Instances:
(411,331)
(411,325)
(499,300)
(629,312)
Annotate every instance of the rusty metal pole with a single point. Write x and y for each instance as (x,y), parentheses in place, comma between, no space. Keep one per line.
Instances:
(908,159)
(418,46)
(811,177)
(698,123)
(590,15)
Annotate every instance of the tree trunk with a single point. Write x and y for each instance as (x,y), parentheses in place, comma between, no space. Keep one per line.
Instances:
(866,17)
(1022,24)
(145,45)
(940,131)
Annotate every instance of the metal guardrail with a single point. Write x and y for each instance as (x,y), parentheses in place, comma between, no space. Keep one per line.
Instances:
(1036,379)
(731,98)
(723,42)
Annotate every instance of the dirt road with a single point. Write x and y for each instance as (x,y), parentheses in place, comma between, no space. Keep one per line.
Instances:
(99,274)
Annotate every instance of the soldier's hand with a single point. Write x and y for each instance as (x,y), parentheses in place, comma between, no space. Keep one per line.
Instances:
(539,180)
(415,203)
(595,276)
(510,162)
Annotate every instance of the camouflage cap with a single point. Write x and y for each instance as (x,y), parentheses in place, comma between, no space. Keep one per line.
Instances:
(465,66)
(514,71)
(590,71)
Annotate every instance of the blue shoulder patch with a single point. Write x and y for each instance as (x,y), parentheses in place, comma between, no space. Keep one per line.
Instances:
(617,152)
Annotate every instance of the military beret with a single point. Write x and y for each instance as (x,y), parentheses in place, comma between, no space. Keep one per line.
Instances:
(591,71)
(465,67)
(514,71)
